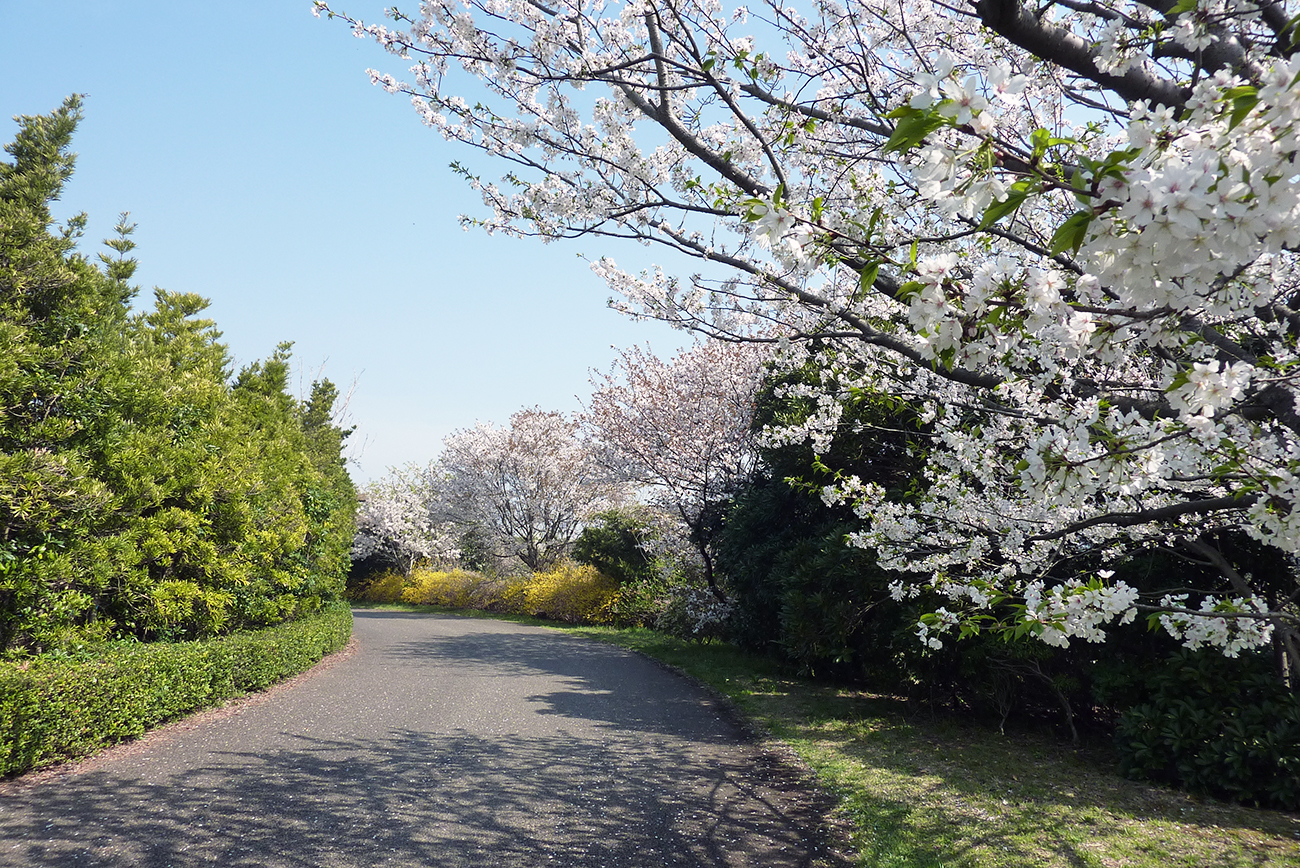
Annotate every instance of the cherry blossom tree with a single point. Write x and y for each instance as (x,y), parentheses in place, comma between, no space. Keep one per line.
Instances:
(680,430)
(1065,230)
(396,525)
(527,486)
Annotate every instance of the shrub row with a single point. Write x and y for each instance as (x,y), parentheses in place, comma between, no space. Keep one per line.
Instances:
(57,709)
(569,592)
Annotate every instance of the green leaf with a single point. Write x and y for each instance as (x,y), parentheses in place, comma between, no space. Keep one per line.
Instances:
(867,277)
(875,221)
(912,127)
(1069,236)
(1018,193)
(1043,140)
(1242,103)
(1039,138)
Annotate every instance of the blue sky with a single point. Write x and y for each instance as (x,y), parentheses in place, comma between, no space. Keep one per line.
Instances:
(267,174)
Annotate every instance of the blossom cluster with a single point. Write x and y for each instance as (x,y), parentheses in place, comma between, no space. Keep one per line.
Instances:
(395,522)
(1218,623)
(1078,609)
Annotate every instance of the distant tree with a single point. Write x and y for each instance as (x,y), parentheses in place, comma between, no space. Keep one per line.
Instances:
(526,488)
(680,430)
(396,525)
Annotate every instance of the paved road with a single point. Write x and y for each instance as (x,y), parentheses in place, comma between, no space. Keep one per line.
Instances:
(441,741)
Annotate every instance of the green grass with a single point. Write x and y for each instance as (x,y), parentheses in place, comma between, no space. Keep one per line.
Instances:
(918,790)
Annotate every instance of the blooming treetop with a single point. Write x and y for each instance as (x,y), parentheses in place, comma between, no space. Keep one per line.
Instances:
(394,522)
(1066,230)
(528,486)
(680,429)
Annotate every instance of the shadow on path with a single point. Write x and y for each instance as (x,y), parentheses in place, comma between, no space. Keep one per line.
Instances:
(606,683)
(410,799)
(595,757)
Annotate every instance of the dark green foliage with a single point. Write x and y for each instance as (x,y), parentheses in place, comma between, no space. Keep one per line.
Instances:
(1217,725)
(475,550)
(799,590)
(615,544)
(53,708)
(1226,727)
(142,494)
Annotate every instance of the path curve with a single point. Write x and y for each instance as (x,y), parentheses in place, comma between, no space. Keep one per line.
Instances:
(442,741)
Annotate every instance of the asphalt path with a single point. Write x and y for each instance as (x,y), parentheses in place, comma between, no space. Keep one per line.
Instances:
(439,741)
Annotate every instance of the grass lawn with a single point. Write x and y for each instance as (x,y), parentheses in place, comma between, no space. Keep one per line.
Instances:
(920,791)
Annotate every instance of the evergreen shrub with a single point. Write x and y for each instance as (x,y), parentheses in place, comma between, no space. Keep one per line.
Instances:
(57,708)
(1217,725)
(145,492)
(615,544)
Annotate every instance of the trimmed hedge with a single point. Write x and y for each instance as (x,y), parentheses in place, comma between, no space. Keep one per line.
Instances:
(52,710)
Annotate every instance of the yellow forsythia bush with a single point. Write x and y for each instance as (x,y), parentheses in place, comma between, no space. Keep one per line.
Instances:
(570,592)
(575,593)
(454,589)
(383,588)
(511,598)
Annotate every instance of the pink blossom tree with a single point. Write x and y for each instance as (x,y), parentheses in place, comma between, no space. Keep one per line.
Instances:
(1066,230)
(395,523)
(526,487)
(679,431)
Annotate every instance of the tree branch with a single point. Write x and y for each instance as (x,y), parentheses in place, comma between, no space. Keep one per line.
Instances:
(1016,24)
(1149,516)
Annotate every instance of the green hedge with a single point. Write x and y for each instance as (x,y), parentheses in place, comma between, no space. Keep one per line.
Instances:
(52,710)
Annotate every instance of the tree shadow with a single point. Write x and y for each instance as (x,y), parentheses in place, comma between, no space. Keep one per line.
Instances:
(1026,797)
(609,686)
(414,799)
(620,764)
